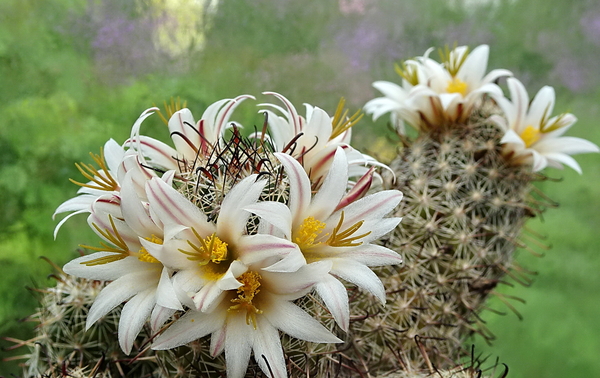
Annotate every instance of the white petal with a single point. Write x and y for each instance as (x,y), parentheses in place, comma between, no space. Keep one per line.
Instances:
(373,255)
(333,188)
(238,345)
(318,129)
(375,206)
(256,248)
(165,293)
(183,133)
(275,213)
(558,159)
(173,208)
(334,295)
(512,137)
(267,349)
(191,326)
(217,341)
(159,316)
(474,66)
(300,192)
(296,282)
(119,291)
(541,107)
(133,316)
(391,90)
(209,296)
(103,272)
(231,223)
(290,263)
(565,145)
(292,320)
(516,111)
(134,212)
(360,275)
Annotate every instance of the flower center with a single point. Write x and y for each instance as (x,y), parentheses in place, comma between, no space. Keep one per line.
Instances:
(245,294)
(530,135)
(308,232)
(310,229)
(144,255)
(457,86)
(211,249)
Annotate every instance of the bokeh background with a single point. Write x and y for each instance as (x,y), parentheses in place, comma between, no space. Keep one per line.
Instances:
(74,73)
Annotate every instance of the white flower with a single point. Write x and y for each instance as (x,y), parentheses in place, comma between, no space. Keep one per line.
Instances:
(395,100)
(326,227)
(313,140)
(247,319)
(137,277)
(112,165)
(533,136)
(192,140)
(209,257)
(437,94)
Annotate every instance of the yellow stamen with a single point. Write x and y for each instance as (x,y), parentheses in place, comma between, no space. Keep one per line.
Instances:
(147,257)
(557,124)
(408,73)
(250,284)
(101,179)
(144,255)
(341,122)
(308,231)
(171,108)
(530,135)
(120,247)
(451,60)
(344,239)
(457,86)
(212,249)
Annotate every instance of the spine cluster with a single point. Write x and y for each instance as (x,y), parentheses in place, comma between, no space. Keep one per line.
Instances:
(463,211)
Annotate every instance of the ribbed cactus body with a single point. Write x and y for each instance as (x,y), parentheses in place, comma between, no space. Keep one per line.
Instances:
(463,210)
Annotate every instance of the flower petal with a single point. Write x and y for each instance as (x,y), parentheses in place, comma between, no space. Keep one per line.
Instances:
(300,192)
(119,291)
(133,316)
(267,349)
(191,326)
(360,275)
(292,320)
(334,295)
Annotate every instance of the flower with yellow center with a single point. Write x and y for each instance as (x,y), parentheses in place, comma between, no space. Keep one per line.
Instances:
(250,318)
(210,257)
(532,136)
(440,93)
(129,236)
(327,228)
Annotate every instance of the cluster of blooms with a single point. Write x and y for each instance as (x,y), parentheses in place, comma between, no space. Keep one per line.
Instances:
(220,234)
(435,94)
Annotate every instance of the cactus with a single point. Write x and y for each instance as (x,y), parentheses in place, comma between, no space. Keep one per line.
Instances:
(463,210)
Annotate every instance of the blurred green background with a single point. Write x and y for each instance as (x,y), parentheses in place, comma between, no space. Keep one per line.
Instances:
(74,73)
